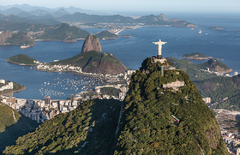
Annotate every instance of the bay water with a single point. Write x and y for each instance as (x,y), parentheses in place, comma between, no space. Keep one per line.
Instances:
(223,44)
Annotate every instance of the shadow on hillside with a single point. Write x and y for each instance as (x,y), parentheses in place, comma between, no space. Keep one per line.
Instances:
(11,133)
(101,136)
(238,122)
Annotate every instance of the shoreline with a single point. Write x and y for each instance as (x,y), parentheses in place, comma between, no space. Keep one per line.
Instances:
(73,72)
(11,91)
(200,58)
(21,64)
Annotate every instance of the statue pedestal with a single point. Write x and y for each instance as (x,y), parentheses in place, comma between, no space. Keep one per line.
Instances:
(159,56)
(161,60)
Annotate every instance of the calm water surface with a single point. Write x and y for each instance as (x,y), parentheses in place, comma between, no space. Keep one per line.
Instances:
(131,51)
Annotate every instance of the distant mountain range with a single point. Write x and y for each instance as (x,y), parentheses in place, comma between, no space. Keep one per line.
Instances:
(42,15)
(16,9)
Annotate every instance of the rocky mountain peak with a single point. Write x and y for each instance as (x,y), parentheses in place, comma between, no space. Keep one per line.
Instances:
(91,43)
(4,36)
(163,17)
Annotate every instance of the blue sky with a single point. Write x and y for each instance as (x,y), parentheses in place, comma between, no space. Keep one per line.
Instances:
(136,5)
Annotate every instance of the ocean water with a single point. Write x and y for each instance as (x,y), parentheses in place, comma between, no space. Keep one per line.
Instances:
(223,44)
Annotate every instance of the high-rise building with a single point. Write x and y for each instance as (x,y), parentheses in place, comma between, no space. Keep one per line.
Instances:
(72,97)
(47,100)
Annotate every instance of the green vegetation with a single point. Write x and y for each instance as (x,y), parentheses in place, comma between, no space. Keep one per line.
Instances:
(95,62)
(196,55)
(20,39)
(106,35)
(110,91)
(63,32)
(16,87)
(219,88)
(191,69)
(22,59)
(147,126)
(89,129)
(6,117)
(9,129)
(212,63)
(22,27)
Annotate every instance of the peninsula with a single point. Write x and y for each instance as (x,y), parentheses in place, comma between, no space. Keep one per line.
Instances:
(91,60)
(215,65)
(16,38)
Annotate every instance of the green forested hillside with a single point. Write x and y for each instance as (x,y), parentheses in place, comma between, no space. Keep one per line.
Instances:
(219,88)
(147,125)
(95,62)
(89,129)
(106,35)
(211,63)
(9,129)
(21,38)
(153,120)
(63,32)
(22,59)
(191,69)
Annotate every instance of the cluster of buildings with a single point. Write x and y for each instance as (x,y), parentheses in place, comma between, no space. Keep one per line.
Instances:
(217,73)
(58,68)
(121,95)
(6,85)
(232,141)
(63,68)
(40,110)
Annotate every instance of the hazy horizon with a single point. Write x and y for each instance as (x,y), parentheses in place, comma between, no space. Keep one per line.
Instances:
(220,6)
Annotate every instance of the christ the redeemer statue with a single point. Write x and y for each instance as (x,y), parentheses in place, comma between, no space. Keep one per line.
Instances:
(159,43)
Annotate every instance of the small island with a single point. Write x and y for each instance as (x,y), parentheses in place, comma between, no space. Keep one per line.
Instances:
(127,36)
(196,56)
(106,35)
(238,31)
(22,59)
(215,28)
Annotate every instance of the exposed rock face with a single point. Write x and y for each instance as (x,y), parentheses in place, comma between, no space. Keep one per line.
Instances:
(4,36)
(216,66)
(162,17)
(91,43)
(104,63)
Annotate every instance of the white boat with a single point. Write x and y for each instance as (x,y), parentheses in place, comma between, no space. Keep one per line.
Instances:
(200,32)
(192,29)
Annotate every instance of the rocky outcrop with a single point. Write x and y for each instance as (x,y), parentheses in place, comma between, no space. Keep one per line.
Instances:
(104,63)
(91,43)
(4,36)
(218,66)
(93,60)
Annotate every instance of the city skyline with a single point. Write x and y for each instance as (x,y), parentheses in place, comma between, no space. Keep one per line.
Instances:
(138,5)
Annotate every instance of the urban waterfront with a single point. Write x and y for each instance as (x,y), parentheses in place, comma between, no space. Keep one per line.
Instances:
(131,51)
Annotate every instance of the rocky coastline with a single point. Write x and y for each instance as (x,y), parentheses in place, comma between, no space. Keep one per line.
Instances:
(200,58)
(21,64)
